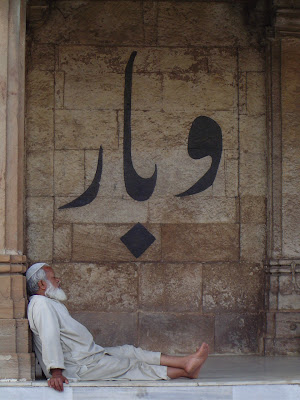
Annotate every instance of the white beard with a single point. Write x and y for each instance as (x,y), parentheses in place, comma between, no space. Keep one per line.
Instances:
(55,293)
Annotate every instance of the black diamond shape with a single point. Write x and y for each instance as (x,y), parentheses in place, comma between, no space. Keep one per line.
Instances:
(137,240)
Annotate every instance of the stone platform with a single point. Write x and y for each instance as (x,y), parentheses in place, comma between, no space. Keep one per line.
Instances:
(222,378)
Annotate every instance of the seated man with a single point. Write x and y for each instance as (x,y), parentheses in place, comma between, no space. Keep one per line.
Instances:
(66,349)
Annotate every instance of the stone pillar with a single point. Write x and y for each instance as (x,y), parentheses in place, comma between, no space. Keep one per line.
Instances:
(283,322)
(15,353)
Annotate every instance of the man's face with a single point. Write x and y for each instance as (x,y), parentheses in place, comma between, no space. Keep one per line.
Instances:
(51,277)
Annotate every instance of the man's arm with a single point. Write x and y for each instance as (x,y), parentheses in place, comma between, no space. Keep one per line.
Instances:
(57,380)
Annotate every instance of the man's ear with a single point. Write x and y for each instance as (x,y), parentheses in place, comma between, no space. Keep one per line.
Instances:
(42,285)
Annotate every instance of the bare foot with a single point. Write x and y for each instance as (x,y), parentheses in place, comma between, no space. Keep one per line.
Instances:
(195,361)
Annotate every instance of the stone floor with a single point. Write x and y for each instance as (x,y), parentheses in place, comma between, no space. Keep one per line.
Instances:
(223,377)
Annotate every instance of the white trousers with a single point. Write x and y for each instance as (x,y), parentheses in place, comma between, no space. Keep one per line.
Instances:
(125,362)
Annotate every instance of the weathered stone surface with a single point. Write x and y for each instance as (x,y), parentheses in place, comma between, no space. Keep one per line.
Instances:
(97,287)
(39,129)
(59,89)
(69,172)
(290,170)
(290,76)
(252,59)
(253,242)
(237,333)
(290,225)
(256,93)
(102,210)
(42,57)
(208,91)
(39,180)
(39,242)
(110,329)
(107,92)
(253,209)
(175,333)
(87,22)
(62,246)
(287,325)
(282,347)
(232,288)
(253,137)
(170,287)
(200,242)
(92,60)
(270,327)
(85,129)
(289,301)
(194,209)
(22,334)
(8,336)
(253,174)
(231,178)
(18,295)
(273,292)
(150,11)
(243,93)
(193,23)
(102,243)
(221,59)
(39,209)
(40,89)
(6,304)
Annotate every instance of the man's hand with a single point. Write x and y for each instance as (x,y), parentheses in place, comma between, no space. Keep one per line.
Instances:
(57,380)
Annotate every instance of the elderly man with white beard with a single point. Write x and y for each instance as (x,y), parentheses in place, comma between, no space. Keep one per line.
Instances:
(66,350)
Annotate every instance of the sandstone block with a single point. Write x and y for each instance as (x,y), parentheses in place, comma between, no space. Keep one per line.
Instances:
(101,23)
(59,89)
(282,347)
(287,325)
(112,179)
(94,60)
(200,242)
(192,23)
(42,57)
(253,175)
(9,368)
(170,287)
(253,134)
(86,129)
(270,328)
(8,336)
(243,93)
(94,92)
(209,92)
(39,209)
(288,301)
(253,242)
(231,174)
(102,210)
(221,59)
(62,249)
(253,209)
(237,333)
(18,294)
(39,129)
(192,209)
(175,333)
(273,293)
(256,93)
(111,287)
(69,172)
(111,328)
(22,336)
(39,180)
(102,243)
(150,9)
(290,77)
(219,185)
(233,288)
(252,59)
(40,89)
(290,225)
(39,242)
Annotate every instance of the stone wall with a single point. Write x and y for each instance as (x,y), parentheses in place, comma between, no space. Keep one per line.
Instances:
(202,278)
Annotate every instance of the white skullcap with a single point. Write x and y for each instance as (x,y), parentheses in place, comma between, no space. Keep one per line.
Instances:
(33,269)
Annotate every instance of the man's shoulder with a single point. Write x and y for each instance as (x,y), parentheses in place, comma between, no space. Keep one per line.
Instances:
(40,301)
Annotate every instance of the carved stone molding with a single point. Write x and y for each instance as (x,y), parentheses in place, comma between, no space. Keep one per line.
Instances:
(287,22)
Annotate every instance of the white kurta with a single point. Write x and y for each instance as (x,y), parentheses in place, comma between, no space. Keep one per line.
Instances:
(62,342)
